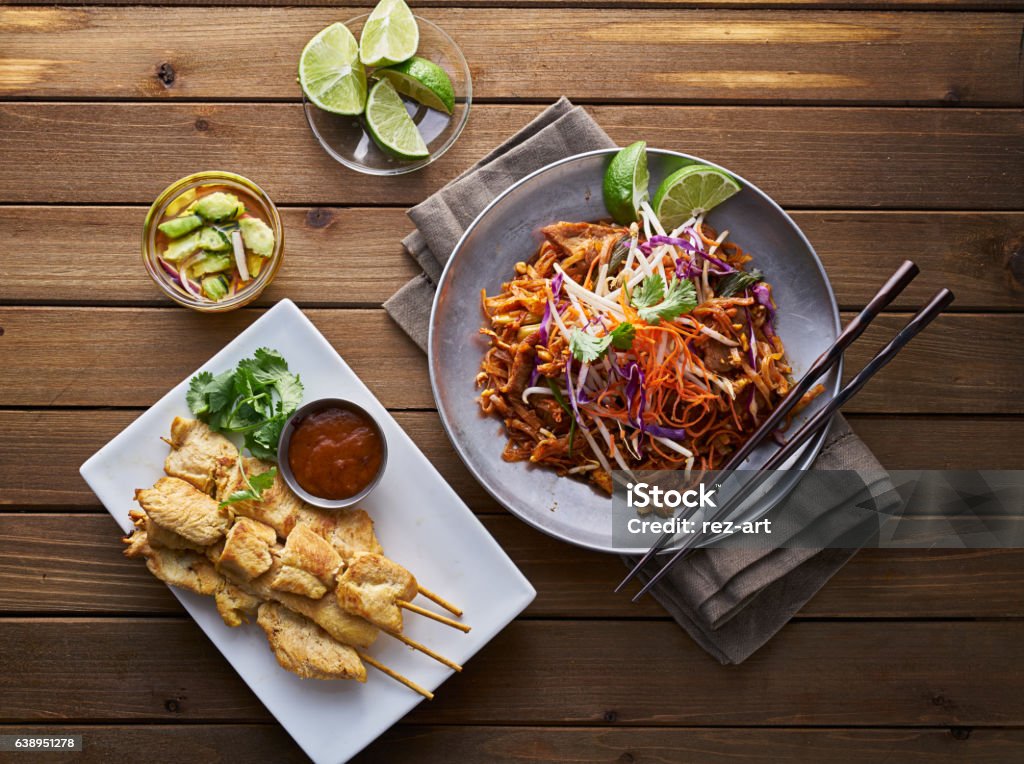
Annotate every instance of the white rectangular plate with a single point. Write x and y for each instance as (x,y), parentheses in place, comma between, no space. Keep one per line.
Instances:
(421,522)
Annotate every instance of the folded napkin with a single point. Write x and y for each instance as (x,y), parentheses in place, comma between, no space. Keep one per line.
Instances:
(730,600)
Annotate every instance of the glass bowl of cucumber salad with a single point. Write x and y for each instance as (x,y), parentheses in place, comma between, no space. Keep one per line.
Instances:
(212,241)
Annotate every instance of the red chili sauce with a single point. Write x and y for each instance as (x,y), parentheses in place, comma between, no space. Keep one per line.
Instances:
(335,453)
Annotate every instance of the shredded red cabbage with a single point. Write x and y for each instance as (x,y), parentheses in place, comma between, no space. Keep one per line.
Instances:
(674,241)
(672,433)
(764,298)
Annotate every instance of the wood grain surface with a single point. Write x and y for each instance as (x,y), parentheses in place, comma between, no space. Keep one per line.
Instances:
(56,563)
(50,358)
(54,442)
(731,56)
(827,673)
(860,249)
(816,157)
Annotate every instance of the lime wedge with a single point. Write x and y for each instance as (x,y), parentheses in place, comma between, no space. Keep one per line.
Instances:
(330,72)
(690,191)
(625,183)
(390,35)
(390,125)
(422,80)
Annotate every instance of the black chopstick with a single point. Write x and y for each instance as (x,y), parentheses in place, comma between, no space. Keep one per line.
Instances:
(819,421)
(854,329)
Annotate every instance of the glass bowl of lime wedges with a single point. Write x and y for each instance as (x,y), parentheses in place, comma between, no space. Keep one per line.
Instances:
(385,93)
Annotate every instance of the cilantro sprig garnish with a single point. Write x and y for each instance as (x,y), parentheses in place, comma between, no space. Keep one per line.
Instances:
(654,302)
(586,348)
(256,485)
(254,398)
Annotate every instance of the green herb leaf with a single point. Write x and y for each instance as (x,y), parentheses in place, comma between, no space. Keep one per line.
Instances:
(654,303)
(560,399)
(257,485)
(254,398)
(734,283)
(586,348)
(650,292)
(623,335)
(196,395)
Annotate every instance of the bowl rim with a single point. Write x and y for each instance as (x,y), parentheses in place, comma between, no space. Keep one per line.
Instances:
(284,466)
(173,191)
(407,167)
(809,452)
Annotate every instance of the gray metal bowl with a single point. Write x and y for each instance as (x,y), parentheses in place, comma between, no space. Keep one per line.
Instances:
(508,230)
(285,440)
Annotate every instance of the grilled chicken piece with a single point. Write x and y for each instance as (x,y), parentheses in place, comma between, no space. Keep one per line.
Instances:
(161,536)
(325,612)
(277,507)
(349,531)
(371,586)
(198,454)
(312,553)
(178,567)
(303,648)
(721,358)
(182,508)
(309,564)
(246,552)
(297,581)
(234,605)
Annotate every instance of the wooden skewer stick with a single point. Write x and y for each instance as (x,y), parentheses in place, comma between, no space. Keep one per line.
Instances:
(395,675)
(425,650)
(457,612)
(433,616)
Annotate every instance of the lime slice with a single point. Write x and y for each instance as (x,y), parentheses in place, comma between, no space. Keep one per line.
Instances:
(390,35)
(625,183)
(390,125)
(422,80)
(330,72)
(690,191)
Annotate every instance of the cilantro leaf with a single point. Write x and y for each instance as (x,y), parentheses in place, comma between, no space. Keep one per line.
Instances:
(623,335)
(649,292)
(654,302)
(586,348)
(196,395)
(257,485)
(255,398)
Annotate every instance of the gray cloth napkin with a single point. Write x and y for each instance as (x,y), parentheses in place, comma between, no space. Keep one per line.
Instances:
(731,601)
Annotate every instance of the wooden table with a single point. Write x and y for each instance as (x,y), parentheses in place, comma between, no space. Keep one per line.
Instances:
(888,133)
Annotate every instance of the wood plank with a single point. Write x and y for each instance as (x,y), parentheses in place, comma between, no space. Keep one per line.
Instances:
(79,357)
(72,564)
(971,251)
(804,157)
(860,5)
(426,744)
(815,673)
(734,56)
(52,444)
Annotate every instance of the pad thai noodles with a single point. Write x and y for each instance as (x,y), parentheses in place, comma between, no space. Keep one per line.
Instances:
(632,348)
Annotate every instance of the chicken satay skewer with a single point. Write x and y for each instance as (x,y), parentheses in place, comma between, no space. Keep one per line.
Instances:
(433,616)
(456,611)
(368,660)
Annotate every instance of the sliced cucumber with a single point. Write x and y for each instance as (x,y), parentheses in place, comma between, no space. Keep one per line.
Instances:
(182,247)
(180,226)
(258,236)
(213,240)
(215,287)
(211,263)
(219,206)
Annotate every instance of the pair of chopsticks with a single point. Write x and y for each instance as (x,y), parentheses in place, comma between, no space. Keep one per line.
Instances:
(853,330)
